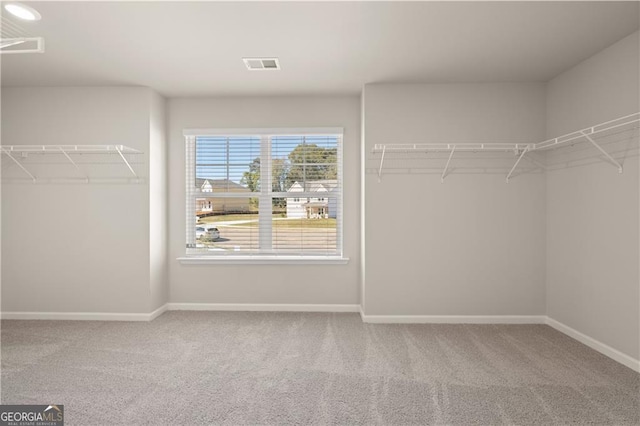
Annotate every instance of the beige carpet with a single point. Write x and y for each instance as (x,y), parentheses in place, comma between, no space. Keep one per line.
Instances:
(189,368)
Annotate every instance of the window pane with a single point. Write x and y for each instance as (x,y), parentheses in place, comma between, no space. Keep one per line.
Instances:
(308,226)
(299,160)
(226,225)
(227,164)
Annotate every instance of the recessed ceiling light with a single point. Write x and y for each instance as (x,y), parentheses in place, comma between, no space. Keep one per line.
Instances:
(23,11)
(261,64)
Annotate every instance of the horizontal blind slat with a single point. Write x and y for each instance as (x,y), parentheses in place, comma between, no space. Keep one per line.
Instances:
(305,195)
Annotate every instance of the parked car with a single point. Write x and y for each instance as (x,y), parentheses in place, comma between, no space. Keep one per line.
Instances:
(211,234)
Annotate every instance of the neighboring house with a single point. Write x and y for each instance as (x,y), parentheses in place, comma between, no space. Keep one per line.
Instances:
(321,207)
(207,205)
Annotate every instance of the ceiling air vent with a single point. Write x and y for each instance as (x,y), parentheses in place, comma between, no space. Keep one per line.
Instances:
(13,39)
(261,64)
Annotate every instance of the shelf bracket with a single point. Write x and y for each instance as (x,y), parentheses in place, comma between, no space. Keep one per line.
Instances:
(446,167)
(524,151)
(74,164)
(605,153)
(33,178)
(384,147)
(126,162)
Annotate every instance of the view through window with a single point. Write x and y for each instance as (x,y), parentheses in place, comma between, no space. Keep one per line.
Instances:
(231,211)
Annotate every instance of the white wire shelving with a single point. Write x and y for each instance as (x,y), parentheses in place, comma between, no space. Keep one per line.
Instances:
(520,150)
(71,163)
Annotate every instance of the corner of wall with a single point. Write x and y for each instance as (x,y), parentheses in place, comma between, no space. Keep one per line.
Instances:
(158,203)
(363,157)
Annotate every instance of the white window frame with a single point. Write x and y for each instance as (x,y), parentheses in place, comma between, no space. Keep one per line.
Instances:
(265,196)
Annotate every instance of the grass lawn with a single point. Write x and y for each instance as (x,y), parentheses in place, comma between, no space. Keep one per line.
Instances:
(229,217)
(276,223)
(305,223)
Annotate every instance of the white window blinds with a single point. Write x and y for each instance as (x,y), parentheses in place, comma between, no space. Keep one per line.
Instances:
(232,211)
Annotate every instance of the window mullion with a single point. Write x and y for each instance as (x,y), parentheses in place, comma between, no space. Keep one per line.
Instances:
(190,157)
(265,209)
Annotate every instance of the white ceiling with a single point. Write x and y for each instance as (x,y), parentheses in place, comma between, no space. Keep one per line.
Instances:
(195,48)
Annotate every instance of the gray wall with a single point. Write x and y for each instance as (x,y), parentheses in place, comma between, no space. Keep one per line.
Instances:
(473,245)
(295,284)
(76,247)
(592,211)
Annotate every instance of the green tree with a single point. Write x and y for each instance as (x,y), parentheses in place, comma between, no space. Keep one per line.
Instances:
(251,178)
(279,172)
(309,162)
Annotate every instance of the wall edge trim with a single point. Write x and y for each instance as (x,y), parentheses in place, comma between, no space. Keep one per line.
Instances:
(596,345)
(453,319)
(78,316)
(263,307)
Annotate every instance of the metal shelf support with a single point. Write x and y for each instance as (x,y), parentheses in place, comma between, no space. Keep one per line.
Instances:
(126,162)
(74,164)
(446,167)
(33,178)
(384,148)
(524,151)
(605,153)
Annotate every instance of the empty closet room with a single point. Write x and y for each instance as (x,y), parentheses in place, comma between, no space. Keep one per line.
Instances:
(331,213)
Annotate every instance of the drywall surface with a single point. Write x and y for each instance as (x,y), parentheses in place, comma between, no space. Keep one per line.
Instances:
(592,211)
(158,203)
(75,247)
(601,88)
(294,284)
(473,245)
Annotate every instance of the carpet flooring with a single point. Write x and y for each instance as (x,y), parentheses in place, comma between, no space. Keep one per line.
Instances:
(236,368)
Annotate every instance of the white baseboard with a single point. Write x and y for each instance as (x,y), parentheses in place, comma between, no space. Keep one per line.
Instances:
(84,316)
(109,316)
(76,316)
(604,349)
(261,307)
(161,310)
(453,319)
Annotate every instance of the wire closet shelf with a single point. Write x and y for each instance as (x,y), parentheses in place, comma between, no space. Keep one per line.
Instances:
(520,150)
(71,164)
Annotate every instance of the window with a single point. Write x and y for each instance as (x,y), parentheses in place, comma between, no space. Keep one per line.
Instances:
(227,172)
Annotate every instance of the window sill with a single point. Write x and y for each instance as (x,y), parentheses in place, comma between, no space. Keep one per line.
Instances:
(263,260)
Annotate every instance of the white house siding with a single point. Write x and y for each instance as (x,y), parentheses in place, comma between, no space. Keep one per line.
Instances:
(296,207)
